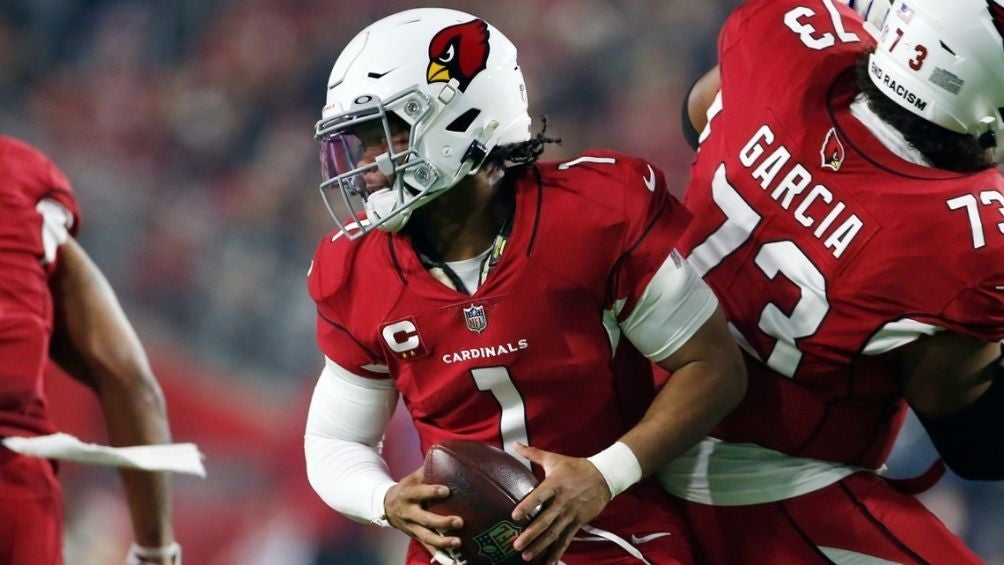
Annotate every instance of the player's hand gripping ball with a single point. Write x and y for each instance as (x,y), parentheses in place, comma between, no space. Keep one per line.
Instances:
(485,485)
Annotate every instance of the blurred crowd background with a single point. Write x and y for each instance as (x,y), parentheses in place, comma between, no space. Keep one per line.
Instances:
(186,128)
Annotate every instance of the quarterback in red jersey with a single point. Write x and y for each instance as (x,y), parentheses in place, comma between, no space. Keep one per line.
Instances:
(848,215)
(519,306)
(54,301)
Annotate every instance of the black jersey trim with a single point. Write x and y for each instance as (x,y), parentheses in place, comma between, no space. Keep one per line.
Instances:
(345,330)
(394,260)
(886,533)
(540,206)
(623,256)
(802,534)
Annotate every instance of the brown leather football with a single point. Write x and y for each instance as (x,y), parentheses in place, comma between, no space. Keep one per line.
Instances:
(485,485)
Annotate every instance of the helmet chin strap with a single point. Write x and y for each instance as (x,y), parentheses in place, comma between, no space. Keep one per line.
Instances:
(379,206)
(390,212)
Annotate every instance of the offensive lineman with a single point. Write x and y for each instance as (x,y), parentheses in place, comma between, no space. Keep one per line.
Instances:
(848,214)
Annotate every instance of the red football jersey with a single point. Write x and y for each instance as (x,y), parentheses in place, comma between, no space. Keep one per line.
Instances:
(825,248)
(27,177)
(526,357)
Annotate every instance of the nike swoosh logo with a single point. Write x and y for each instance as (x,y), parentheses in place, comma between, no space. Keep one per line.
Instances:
(635,540)
(650,179)
(380,75)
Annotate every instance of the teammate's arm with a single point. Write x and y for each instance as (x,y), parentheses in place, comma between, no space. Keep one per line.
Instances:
(956,387)
(709,380)
(95,343)
(696,104)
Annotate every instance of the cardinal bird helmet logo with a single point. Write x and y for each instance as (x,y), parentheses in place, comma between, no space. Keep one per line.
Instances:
(832,151)
(458,52)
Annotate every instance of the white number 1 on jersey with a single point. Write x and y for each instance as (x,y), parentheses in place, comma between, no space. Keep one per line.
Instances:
(512,424)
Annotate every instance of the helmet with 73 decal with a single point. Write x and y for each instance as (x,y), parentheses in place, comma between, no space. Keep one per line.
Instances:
(944,61)
(446,77)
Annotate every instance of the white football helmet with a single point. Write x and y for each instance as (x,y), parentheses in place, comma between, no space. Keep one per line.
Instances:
(451,77)
(944,61)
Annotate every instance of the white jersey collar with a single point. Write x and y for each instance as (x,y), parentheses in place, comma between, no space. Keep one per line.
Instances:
(889,136)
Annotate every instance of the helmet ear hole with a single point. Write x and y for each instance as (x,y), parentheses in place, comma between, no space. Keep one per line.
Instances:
(987,140)
(464,121)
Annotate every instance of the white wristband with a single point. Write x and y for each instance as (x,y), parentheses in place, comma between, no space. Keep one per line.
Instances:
(139,554)
(379,495)
(619,467)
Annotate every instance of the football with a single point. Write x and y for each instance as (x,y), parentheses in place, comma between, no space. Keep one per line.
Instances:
(485,485)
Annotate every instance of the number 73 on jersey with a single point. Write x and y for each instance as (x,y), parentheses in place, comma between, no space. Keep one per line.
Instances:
(970,203)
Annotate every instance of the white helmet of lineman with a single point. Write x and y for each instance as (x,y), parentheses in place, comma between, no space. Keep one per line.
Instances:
(451,77)
(944,61)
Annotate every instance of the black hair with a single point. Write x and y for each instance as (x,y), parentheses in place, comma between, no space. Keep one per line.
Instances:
(943,148)
(524,152)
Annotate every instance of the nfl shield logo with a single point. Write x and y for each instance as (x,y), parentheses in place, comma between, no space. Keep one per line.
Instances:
(495,543)
(475,318)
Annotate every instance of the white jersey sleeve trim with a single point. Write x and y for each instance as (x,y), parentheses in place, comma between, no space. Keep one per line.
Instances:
(56,224)
(897,334)
(720,473)
(848,557)
(345,424)
(713,110)
(674,305)
(611,326)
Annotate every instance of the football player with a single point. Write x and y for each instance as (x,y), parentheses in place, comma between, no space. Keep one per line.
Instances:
(55,303)
(848,213)
(506,300)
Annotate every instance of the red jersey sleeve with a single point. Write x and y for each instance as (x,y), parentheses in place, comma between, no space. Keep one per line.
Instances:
(655,220)
(978,311)
(329,285)
(60,191)
(976,245)
(33,175)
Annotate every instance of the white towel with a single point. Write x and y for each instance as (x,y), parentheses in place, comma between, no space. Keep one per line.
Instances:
(174,457)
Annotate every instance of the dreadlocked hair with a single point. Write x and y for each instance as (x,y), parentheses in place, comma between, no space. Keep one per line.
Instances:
(943,148)
(524,152)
